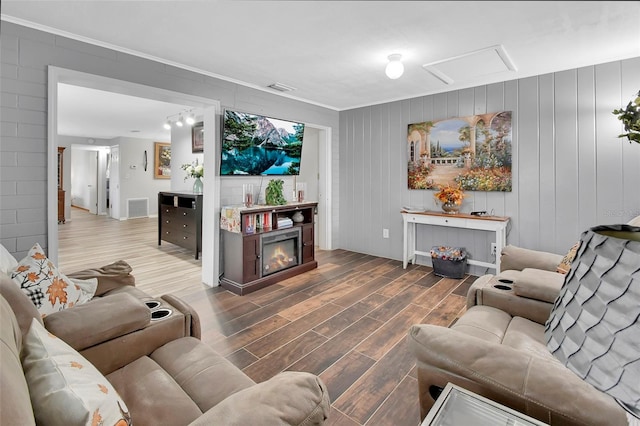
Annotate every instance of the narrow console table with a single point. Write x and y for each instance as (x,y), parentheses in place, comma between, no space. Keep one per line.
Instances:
(497,224)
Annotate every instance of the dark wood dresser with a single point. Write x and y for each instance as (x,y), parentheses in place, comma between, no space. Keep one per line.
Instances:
(180,220)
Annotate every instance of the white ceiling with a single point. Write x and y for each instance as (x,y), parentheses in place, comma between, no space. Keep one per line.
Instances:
(92,113)
(334,52)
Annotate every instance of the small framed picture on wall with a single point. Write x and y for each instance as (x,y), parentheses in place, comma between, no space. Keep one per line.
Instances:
(197,137)
(162,161)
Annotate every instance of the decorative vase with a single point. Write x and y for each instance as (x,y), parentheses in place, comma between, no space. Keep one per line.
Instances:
(197,186)
(450,208)
(297,217)
(593,327)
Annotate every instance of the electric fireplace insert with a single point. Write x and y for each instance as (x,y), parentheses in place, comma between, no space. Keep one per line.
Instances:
(280,251)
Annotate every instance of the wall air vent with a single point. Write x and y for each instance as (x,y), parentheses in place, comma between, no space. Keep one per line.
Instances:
(281,87)
(137,207)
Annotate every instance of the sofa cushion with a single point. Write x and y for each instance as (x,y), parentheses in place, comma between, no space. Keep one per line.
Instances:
(14,393)
(23,309)
(153,396)
(195,366)
(538,284)
(99,320)
(484,322)
(289,398)
(112,276)
(64,387)
(7,261)
(49,290)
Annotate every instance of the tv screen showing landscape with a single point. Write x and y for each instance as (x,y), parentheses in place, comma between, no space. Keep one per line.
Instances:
(258,145)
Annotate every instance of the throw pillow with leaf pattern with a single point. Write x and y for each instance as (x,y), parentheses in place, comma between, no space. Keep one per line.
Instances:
(49,290)
(565,263)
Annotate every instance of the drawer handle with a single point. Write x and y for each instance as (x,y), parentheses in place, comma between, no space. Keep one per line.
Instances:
(167,232)
(167,221)
(185,225)
(184,214)
(184,238)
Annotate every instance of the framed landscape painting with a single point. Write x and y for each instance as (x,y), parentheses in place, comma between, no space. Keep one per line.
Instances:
(162,161)
(471,152)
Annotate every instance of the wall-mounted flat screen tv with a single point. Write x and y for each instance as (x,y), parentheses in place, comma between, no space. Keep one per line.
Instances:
(258,145)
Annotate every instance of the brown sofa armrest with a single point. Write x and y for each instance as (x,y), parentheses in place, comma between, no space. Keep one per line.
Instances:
(518,258)
(505,297)
(538,386)
(111,276)
(537,284)
(192,320)
(99,320)
(290,398)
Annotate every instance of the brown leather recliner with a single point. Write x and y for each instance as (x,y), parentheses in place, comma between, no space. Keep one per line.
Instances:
(162,371)
(497,349)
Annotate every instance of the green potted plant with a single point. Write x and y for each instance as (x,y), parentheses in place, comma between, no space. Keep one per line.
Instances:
(273,193)
(630,117)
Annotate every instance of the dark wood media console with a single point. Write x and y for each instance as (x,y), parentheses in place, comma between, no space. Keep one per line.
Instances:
(259,250)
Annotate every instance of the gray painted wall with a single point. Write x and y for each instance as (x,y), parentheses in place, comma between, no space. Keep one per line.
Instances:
(570,171)
(25,54)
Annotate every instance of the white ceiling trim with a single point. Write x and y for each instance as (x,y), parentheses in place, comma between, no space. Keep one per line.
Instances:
(99,43)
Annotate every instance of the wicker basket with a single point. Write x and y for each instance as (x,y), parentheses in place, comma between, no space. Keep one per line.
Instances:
(449,262)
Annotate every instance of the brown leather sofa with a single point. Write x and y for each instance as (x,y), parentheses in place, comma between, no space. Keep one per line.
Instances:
(160,368)
(497,349)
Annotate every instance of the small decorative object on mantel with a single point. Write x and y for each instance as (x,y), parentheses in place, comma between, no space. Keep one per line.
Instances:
(273,193)
(247,194)
(194,170)
(630,117)
(297,217)
(450,197)
(301,188)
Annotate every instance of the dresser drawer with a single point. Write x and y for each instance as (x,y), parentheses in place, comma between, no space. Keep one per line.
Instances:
(182,239)
(178,225)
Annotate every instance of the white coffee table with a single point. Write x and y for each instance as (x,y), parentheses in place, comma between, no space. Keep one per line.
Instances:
(457,406)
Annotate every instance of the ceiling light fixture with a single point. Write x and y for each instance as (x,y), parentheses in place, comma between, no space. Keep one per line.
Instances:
(394,68)
(186,116)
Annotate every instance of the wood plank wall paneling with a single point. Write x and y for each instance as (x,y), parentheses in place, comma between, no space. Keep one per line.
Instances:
(570,171)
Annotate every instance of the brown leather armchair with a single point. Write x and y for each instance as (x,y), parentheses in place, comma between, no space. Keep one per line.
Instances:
(497,349)
(161,370)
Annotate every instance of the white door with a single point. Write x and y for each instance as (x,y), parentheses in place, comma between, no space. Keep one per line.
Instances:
(92,182)
(310,172)
(114,182)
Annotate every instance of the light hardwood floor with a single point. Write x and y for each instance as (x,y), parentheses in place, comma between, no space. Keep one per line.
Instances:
(345,321)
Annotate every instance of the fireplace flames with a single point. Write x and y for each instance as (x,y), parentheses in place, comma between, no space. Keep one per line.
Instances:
(279,259)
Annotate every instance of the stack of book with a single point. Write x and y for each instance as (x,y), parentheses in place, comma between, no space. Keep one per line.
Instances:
(284,222)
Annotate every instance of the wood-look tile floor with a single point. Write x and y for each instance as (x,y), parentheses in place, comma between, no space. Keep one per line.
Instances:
(345,321)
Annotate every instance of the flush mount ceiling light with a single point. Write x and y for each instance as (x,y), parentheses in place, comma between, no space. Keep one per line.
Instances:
(394,67)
